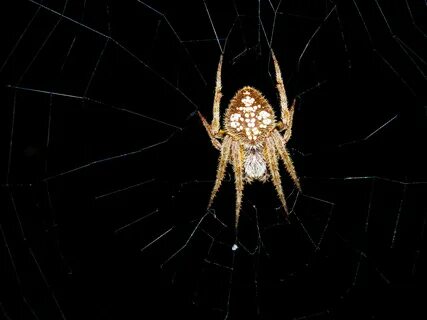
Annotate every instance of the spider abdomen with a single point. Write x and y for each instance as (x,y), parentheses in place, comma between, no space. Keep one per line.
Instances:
(249,117)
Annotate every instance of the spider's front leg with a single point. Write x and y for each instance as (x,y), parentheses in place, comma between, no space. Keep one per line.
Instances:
(279,144)
(237,155)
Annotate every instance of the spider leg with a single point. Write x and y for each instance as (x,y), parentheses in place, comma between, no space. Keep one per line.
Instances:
(279,143)
(222,165)
(288,129)
(217,98)
(285,116)
(208,128)
(271,156)
(237,158)
(213,130)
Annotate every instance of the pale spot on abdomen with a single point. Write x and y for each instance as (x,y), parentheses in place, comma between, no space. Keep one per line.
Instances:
(249,116)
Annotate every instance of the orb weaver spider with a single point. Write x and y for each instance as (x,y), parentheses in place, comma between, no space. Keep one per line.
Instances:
(252,139)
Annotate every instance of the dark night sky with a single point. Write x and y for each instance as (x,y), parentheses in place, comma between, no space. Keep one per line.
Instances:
(106,170)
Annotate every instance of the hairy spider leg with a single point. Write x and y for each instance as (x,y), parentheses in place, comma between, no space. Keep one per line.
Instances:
(288,132)
(217,99)
(279,142)
(222,165)
(208,128)
(237,154)
(213,130)
(287,120)
(284,111)
(270,155)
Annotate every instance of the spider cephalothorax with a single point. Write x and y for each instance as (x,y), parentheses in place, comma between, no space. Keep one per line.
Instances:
(251,139)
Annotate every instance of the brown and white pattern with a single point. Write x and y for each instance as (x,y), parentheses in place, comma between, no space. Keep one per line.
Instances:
(251,139)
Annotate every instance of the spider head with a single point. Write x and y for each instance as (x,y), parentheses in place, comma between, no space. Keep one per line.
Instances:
(249,117)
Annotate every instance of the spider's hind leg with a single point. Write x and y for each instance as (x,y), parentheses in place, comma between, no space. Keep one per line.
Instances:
(208,128)
(286,123)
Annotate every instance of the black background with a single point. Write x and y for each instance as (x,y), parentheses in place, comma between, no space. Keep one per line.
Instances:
(99,130)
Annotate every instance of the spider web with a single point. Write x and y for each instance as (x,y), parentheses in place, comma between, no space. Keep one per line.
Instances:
(106,169)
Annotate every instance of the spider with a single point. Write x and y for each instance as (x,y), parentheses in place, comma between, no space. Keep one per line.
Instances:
(252,139)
